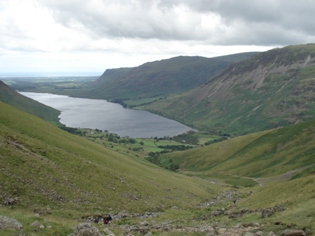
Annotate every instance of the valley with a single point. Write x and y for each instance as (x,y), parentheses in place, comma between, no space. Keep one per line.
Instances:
(249,170)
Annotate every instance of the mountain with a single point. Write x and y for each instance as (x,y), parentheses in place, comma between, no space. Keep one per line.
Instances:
(269,90)
(54,183)
(11,97)
(160,78)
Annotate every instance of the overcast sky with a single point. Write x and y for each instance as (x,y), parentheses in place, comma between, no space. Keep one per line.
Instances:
(89,36)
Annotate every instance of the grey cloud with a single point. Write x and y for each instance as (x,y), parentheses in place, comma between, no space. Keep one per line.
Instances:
(247,22)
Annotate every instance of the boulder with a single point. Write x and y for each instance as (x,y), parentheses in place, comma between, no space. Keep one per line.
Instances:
(259,233)
(293,232)
(86,229)
(108,232)
(249,234)
(9,223)
(37,224)
(271,234)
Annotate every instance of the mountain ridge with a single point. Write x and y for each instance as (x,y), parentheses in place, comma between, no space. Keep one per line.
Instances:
(58,179)
(269,90)
(160,78)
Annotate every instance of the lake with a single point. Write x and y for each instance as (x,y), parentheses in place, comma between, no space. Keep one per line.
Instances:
(103,115)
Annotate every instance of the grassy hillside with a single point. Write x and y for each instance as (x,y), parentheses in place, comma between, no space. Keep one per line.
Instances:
(44,167)
(160,78)
(276,166)
(260,155)
(58,179)
(271,89)
(9,96)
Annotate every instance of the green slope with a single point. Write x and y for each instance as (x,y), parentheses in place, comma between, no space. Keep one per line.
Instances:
(13,98)
(280,161)
(271,89)
(59,179)
(45,166)
(259,155)
(160,78)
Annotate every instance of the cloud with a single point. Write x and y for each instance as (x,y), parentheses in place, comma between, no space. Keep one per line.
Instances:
(127,32)
(217,21)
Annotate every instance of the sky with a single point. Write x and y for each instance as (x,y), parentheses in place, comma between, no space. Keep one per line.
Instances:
(86,37)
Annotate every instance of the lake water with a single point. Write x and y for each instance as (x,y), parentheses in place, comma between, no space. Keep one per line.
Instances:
(103,115)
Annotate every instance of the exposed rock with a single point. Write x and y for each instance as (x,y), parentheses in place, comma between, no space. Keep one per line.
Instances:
(259,233)
(265,213)
(253,224)
(108,232)
(42,211)
(206,204)
(211,234)
(271,234)
(307,231)
(206,228)
(249,234)
(293,232)
(144,223)
(9,223)
(223,197)
(218,212)
(10,200)
(37,224)
(86,229)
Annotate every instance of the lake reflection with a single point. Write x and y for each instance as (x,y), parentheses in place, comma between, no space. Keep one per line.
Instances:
(103,115)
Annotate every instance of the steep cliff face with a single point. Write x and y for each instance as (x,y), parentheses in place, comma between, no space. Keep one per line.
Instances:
(271,89)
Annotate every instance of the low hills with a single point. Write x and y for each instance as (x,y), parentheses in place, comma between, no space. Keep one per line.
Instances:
(259,155)
(13,98)
(160,78)
(269,90)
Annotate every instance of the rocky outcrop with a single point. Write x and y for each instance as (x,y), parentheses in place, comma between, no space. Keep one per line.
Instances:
(293,232)
(149,226)
(86,229)
(265,213)
(9,223)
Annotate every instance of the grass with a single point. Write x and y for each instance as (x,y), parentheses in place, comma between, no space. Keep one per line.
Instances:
(257,155)
(74,177)
(297,196)
(45,167)
(15,99)
(232,102)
